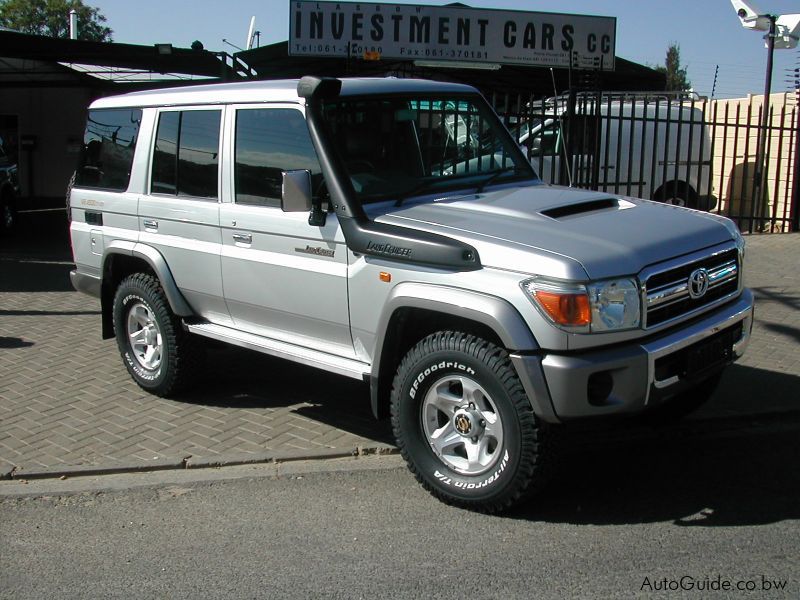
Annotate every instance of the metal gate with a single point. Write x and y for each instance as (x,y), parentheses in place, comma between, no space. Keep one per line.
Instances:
(667,147)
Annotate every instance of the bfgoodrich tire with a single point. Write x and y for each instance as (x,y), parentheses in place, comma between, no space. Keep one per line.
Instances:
(160,356)
(464,425)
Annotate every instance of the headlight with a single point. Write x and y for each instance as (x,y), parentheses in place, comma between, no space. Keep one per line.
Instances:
(613,305)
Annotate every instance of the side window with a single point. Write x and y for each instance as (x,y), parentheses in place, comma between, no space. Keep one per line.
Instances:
(165,156)
(268,141)
(186,156)
(108,147)
(545,142)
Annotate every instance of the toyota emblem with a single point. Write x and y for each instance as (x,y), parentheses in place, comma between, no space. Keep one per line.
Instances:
(698,283)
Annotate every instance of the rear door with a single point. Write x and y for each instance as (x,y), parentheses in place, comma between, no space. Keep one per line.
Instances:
(179,216)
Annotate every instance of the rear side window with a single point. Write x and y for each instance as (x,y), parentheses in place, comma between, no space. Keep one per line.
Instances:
(186,156)
(268,141)
(108,146)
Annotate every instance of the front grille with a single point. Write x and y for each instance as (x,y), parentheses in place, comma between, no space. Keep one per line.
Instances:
(667,293)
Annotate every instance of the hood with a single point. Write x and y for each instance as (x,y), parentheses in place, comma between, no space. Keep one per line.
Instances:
(563,232)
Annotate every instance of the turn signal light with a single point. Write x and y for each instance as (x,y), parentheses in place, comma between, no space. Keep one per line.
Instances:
(565,309)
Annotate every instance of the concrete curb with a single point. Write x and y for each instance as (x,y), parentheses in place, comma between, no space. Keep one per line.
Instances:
(6,470)
(55,472)
(17,473)
(711,427)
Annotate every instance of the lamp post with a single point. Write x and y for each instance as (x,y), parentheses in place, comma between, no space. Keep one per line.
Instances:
(761,148)
(782,32)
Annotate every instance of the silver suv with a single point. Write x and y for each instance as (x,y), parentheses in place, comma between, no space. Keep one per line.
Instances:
(392,231)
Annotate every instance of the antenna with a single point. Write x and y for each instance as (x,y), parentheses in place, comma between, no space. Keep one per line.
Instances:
(561,127)
(250,33)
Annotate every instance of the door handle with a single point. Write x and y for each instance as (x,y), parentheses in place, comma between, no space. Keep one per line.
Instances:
(150,224)
(243,238)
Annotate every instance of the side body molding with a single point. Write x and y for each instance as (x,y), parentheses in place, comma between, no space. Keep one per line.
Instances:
(156,261)
(491,311)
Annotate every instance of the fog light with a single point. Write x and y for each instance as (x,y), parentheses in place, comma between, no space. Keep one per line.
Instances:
(599,387)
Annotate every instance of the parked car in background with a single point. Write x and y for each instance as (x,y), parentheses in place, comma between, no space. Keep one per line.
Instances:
(9,191)
(653,147)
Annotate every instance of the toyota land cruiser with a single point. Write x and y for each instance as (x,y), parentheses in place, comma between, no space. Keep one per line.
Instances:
(392,231)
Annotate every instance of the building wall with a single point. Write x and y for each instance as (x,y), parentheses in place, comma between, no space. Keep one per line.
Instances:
(56,116)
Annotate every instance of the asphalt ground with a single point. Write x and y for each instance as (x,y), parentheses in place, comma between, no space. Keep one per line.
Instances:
(68,406)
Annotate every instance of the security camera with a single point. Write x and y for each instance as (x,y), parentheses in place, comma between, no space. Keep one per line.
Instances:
(750,15)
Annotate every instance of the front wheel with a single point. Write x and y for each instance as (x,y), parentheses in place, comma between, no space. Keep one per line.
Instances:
(464,425)
(160,356)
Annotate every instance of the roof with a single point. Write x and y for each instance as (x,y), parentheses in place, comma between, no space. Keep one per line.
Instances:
(109,54)
(284,90)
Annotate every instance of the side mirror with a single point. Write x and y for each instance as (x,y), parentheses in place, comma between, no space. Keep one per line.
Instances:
(296,191)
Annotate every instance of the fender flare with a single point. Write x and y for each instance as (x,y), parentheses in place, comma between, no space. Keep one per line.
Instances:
(156,260)
(493,312)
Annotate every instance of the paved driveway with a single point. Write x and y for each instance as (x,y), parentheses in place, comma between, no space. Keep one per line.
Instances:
(67,401)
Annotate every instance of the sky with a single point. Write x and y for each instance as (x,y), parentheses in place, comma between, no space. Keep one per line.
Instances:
(707,31)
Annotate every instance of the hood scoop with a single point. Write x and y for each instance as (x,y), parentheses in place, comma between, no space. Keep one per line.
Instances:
(580,208)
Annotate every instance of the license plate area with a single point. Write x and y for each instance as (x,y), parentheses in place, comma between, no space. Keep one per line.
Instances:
(701,358)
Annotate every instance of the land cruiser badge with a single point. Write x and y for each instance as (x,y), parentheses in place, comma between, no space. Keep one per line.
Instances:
(316,251)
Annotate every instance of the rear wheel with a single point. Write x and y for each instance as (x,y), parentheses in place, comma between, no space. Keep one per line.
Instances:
(464,424)
(677,194)
(677,200)
(160,356)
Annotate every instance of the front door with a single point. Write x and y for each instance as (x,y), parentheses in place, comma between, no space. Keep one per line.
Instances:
(282,278)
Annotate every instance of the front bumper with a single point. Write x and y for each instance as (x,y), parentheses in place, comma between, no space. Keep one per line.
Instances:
(633,377)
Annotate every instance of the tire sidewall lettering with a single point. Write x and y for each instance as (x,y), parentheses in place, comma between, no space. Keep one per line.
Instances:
(435,471)
(440,367)
(145,376)
(471,485)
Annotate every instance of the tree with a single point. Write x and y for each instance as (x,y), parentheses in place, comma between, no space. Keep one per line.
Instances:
(51,18)
(676,76)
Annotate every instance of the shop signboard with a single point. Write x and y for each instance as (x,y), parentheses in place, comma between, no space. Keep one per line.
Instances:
(450,33)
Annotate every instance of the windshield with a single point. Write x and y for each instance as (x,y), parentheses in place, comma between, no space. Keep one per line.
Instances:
(521,131)
(399,146)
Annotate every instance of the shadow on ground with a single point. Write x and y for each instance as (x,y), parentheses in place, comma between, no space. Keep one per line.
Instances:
(733,463)
(236,378)
(694,481)
(625,472)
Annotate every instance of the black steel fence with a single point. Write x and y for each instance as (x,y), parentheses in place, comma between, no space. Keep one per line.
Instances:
(668,147)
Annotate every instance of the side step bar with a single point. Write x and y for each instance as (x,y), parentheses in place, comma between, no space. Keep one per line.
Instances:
(306,356)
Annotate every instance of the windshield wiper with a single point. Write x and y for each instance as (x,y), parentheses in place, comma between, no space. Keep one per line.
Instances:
(494,175)
(414,190)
